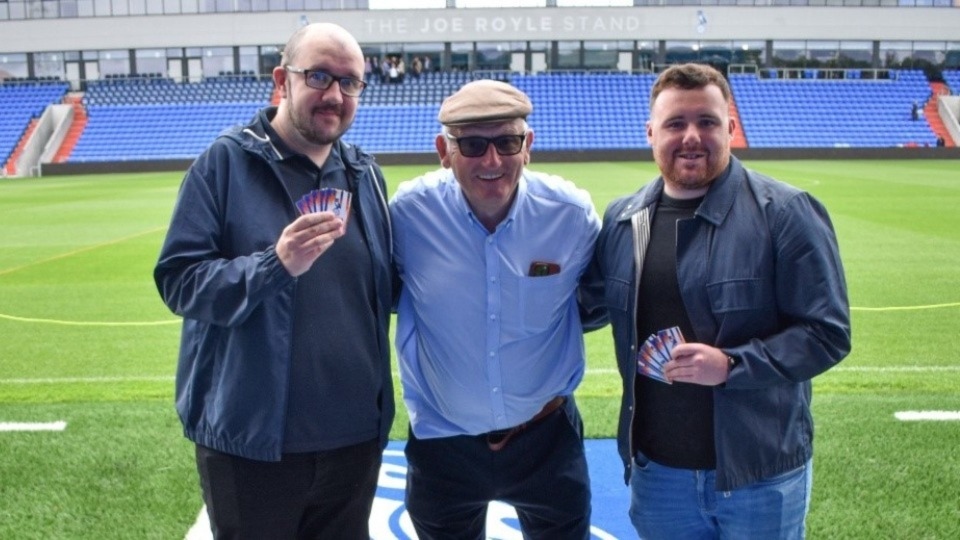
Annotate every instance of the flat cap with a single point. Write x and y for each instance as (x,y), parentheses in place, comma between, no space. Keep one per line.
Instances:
(484,101)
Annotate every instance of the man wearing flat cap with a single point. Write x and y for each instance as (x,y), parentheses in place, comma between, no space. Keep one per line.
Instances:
(489,334)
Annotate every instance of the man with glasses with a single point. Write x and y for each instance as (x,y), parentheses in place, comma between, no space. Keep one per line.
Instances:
(284,380)
(489,335)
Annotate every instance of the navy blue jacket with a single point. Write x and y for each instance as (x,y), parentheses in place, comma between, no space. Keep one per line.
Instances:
(761,278)
(218,270)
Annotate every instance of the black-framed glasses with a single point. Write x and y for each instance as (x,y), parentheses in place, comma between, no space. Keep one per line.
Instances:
(476,146)
(321,80)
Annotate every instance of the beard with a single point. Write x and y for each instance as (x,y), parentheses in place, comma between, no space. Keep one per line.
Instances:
(319,134)
(691,178)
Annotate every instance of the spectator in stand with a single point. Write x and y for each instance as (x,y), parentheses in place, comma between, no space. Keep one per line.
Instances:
(416,67)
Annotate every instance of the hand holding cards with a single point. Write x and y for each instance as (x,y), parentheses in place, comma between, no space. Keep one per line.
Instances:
(655,352)
(327,200)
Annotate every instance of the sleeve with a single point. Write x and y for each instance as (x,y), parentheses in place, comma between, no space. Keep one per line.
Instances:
(198,274)
(811,298)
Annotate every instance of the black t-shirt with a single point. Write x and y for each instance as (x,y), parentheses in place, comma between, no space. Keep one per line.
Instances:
(673,424)
(335,380)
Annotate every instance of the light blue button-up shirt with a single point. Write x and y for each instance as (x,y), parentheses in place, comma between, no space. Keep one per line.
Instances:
(483,345)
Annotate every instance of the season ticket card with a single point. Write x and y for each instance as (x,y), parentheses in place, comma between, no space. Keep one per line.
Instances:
(655,352)
(327,200)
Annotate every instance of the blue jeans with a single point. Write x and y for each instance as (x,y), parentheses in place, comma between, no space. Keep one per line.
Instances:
(683,504)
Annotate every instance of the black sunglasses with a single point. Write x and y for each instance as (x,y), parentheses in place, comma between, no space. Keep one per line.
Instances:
(476,146)
(321,80)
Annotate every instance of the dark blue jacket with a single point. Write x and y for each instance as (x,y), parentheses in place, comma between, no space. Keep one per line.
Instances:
(761,278)
(218,270)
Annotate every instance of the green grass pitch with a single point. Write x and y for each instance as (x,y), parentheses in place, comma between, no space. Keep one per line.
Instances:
(85,339)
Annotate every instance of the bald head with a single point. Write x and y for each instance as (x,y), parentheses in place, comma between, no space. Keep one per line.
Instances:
(315,34)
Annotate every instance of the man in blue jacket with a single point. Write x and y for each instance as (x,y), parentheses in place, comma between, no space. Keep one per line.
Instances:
(718,440)
(284,381)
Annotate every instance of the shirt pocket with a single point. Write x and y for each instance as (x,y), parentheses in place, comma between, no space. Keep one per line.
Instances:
(542,301)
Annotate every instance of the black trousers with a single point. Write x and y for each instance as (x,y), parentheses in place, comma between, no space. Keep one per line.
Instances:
(541,472)
(315,495)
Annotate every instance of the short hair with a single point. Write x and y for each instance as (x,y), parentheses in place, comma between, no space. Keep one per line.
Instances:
(290,50)
(689,77)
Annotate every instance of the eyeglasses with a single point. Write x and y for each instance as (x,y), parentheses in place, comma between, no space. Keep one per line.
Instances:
(476,146)
(321,80)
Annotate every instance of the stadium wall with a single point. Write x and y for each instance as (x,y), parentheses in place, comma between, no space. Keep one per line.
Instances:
(517,24)
(53,169)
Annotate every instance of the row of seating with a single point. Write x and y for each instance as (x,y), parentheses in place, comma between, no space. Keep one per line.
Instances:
(571,111)
(823,113)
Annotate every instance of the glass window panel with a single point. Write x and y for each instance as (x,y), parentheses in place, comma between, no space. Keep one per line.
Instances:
(789,53)
(249,60)
(895,53)
(217,60)
(749,52)
(13,65)
(137,7)
(420,4)
(151,61)
(601,54)
(682,51)
(114,63)
(85,8)
(568,55)
(68,8)
(106,8)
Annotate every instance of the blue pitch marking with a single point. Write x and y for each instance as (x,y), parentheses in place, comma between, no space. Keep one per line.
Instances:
(611,498)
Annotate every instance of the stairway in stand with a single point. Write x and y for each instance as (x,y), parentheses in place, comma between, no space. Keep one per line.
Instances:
(739,137)
(932,115)
(76,128)
(10,168)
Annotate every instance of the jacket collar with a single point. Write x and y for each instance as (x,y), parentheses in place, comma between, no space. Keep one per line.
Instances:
(716,204)
(259,137)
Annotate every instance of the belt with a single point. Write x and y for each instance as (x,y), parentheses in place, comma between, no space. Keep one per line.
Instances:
(496,440)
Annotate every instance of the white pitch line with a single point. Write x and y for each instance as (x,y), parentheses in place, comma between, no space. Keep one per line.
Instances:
(33,426)
(908,416)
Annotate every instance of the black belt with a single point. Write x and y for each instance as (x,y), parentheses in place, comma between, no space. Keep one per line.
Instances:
(496,440)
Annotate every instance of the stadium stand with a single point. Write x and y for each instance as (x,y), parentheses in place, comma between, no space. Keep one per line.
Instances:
(952,78)
(824,113)
(153,118)
(588,111)
(22,102)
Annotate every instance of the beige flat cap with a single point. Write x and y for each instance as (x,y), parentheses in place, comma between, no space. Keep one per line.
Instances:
(484,101)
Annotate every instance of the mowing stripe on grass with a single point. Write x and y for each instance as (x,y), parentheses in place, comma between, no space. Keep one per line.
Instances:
(91,380)
(33,426)
(175,321)
(594,371)
(81,250)
(908,416)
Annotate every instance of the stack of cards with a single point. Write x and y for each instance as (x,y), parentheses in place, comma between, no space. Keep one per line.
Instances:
(655,352)
(327,200)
